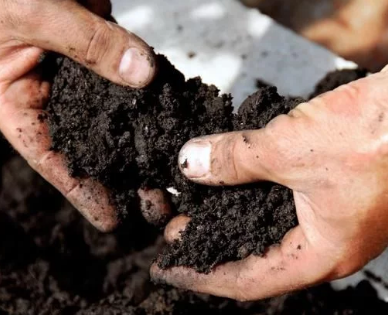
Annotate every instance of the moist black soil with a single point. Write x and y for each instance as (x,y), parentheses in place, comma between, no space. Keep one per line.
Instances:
(337,78)
(129,138)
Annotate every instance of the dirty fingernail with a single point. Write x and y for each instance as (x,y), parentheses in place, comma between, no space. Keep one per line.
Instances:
(136,67)
(194,159)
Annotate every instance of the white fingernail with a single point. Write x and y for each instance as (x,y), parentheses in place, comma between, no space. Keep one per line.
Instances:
(135,67)
(194,159)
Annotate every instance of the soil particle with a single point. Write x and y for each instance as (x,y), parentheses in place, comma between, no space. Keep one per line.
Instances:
(191,54)
(185,164)
(42,117)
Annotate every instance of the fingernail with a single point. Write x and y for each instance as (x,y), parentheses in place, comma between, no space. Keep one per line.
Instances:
(135,67)
(194,159)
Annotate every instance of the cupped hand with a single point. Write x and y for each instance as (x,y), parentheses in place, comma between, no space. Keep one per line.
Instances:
(333,153)
(27,29)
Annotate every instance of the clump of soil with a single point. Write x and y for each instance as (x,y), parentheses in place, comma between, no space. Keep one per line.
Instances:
(129,138)
(337,78)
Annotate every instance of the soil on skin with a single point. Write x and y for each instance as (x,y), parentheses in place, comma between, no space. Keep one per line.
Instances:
(129,138)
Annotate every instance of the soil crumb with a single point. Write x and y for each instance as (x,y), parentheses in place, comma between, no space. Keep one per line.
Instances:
(337,78)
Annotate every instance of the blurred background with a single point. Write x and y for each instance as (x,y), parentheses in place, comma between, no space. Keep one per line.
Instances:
(354,29)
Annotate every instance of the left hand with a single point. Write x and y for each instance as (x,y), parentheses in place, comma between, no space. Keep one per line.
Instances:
(27,29)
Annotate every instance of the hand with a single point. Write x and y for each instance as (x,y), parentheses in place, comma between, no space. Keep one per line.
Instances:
(333,153)
(27,29)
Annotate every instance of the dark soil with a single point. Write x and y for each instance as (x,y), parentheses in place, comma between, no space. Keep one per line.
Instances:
(52,262)
(338,78)
(129,138)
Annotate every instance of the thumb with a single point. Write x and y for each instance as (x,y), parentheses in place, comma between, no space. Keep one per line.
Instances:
(68,28)
(238,157)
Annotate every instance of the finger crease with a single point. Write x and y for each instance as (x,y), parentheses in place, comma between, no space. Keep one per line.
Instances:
(72,189)
(232,159)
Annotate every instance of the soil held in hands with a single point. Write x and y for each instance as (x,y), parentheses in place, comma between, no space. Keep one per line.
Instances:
(53,262)
(128,138)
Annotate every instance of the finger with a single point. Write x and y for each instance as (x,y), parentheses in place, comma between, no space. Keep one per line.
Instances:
(173,231)
(154,206)
(240,157)
(70,29)
(293,265)
(23,124)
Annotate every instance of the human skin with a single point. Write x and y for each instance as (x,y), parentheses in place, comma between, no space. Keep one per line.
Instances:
(28,29)
(333,153)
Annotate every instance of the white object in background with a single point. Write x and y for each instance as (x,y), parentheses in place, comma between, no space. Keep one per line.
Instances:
(228,45)
(232,46)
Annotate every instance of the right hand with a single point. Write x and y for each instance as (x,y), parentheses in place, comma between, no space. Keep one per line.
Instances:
(333,153)
(27,29)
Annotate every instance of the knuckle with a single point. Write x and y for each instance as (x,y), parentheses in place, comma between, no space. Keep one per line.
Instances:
(352,92)
(340,266)
(98,43)
(223,158)
(232,154)
(278,123)
(344,268)
(242,293)
(299,111)
(279,140)
(245,287)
